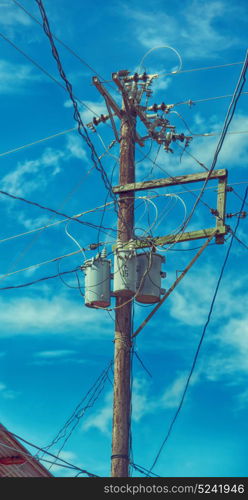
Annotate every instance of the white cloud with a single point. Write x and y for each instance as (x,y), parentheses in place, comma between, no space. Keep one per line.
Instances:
(194,30)
(190,302)
(11,15)
(59,353)
(31,174)
(36,316)
(102,419)
(75,147)
(7,393)
(15,77)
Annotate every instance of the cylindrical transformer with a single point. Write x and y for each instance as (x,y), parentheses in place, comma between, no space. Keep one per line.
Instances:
(124,273)
(97,282)
(148,284)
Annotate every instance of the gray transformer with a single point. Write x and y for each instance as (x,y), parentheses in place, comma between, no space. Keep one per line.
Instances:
(148,284)
(124,273)
(97,282)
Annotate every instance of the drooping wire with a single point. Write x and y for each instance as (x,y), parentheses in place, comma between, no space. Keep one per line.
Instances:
(45,278)
(200,342)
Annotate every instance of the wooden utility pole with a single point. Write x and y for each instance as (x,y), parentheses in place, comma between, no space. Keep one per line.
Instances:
(123,313)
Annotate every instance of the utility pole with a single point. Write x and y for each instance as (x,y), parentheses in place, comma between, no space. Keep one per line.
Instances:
(123,312)
(134,88)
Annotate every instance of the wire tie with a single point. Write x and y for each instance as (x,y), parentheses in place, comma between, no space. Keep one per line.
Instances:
(126,457)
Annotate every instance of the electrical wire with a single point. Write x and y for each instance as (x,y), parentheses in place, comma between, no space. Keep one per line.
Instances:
(207,67)
(63,132)
(201,339)
(190,102)
(163,47)
(23,285)
(74,239)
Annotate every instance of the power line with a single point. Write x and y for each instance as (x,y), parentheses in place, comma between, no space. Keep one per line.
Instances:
(23,285)
(39,141)
(190,102)
(201,339)
(206,68)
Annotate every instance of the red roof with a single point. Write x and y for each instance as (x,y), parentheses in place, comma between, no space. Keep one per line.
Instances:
(15,460)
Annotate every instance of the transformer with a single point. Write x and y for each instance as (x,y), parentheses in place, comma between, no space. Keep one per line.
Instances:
(148,283)
(97,281)
(124,272)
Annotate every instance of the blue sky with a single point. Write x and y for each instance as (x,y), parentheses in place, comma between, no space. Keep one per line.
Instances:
(52,348)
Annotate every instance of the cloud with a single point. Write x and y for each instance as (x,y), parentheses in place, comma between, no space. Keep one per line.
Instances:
(7,393)
(15,78)
(194,31)
(42,315)
(12,16)
(31,174)
(75,147)
(102,419)
(55,353)
(190,303)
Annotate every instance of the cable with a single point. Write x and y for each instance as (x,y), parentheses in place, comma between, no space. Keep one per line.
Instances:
(193,101)
(23,285)
(143,471)
(207,67)
(74,239)
(201,339)
(163,47)
(38,141)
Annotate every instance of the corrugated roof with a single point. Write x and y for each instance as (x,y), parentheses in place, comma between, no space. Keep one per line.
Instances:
(15,460)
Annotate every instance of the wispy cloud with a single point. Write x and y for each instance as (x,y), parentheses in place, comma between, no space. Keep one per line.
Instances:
(16,78)
(31,174)
(40,315)
(7,393)
(194,30)
(11,16)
